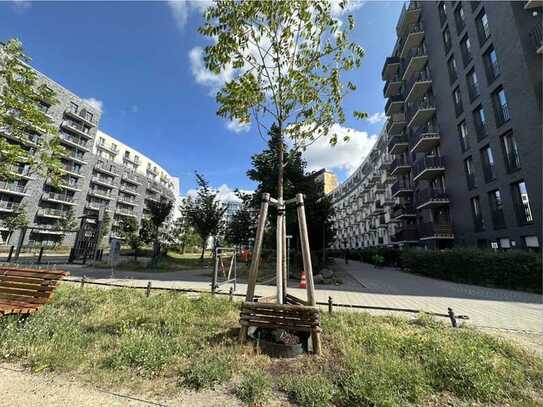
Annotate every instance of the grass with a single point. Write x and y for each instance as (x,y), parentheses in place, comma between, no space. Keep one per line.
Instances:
(168,341)
(170,262)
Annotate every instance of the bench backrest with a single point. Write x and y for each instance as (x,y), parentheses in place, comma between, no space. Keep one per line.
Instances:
(28,287)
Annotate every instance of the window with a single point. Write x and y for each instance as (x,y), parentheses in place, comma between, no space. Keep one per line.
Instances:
(531,242)
(447,40)
(459,18)
(137,159)
(482,27)
(510,152)
(465,47)
(463,135)
(500,106)
(127,154)
(458,107)
(473,85)
(43,107)
(521,202)
(470,174)
(451,65)
(489,166)
(101,141)
(113,146)
(88,115)
(491,65)
(73,107)
(442,7)
(496,209)
(478,220)
(480,122)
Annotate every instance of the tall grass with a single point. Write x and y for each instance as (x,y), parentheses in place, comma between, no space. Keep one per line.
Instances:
(120,337)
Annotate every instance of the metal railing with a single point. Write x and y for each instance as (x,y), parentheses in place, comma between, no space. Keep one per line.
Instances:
(58,197)
(427,163)
(502,114)
(76,140)
(401,186)
(434,229)
(9,186)
(426,195)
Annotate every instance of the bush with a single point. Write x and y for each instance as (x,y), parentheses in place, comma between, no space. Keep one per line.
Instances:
(255,388)
(516,270)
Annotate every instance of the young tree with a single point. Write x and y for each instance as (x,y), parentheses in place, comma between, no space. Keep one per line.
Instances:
(287,59)
(66,223)
(242,225)
(183,234)
(15,220)
(129,233)
(21,117)
(204,213)
(159,213)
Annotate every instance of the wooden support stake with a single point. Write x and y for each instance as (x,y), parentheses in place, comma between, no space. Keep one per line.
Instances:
(148,289)
(82,281)
(452,317)
(330,305)
(231,294)
(279,252)
(284,252)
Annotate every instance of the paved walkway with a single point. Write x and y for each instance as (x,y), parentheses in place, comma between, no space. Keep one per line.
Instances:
(365,285)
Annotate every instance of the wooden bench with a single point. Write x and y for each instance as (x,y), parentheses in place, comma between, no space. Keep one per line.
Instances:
(24,291)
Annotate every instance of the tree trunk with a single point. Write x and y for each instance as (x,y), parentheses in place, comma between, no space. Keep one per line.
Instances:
(280,221)
(203,249)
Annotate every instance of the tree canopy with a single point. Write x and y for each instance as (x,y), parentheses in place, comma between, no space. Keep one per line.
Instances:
(242,225)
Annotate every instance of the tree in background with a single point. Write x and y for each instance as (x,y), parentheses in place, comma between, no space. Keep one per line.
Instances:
(204,213)
(104,229)
(15,220)
(67,223)
(129,233)
(242,226)
(159,212)
(182,234)
(22,117)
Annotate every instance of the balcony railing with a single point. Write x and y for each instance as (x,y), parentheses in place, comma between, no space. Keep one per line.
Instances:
(421,76)
(400,163)
(81,114)
(103,180)
(393,99)
(72,169)
(423,139)
(391,88)
(401,187)
(12,187)
(8,206)
(77,127)
(498,218)
(428,166)
(489,171)
(433,230)
(80,142)
(512,161)
(431,196)
(473,90)
(392,64)
(502,114)
(403,211)
(56,213)
(397,143)
(407,233)
(422,111)
(52,196)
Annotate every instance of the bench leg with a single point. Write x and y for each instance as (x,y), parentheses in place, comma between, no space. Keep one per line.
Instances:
(243,334)
(316,341)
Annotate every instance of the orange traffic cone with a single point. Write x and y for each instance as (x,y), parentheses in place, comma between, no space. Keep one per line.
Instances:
(302,281)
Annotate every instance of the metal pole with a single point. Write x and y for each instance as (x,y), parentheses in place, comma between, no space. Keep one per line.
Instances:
(10,253)
(40,255)
(215,269)
(22,235)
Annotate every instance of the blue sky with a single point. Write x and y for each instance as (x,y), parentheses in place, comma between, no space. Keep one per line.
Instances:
(140,61)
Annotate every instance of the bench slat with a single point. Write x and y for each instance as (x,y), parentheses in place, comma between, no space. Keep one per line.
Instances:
(35,274)
(12,297)
(34,287)
(4,290)
(56,272)
(27,280)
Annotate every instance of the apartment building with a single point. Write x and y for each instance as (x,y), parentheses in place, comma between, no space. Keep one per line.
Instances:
(100,171)
(365,211)
(464,123)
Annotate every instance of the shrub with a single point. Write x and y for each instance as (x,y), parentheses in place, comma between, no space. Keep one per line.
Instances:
(309,390)
(517,270)
(208,370)
(255,388)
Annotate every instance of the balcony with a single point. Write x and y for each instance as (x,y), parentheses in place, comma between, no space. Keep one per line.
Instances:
(422,112)
(51,213)
(417,58)
(58,198)
(401,188)
(429,198)
(415,36)
(403,212)
(400,166)
(46,229)
(128,190)
(21,172)
(424,139)
(394,105)
(127,201)
(428,168)
(406,234)
(79,158)
(396,123)
(397,144)
(82,115)
(502,114)
(96,205)
(72,170)
(512,161)
(114,150)
(74,141)
(101,194)
(391,68)
(125,212)
(392,87)
(410,15)
(7,206)
(432,230)
(13,189)
(106,169)
(530,4)
(417,86)
(76,128)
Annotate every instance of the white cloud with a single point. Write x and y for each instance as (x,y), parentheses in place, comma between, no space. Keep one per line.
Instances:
(224,193)
(237,127)
(379,117)
(181,9)
(344,155)
(349,7)
(21,4)
(96,103)
(134,108)
(204,76)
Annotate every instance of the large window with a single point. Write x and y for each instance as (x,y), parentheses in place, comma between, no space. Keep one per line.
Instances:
(482,27)
(465,47)
(480,122)
(463,136)
(489,166)
(447,40)
(510,152)
(500,106)
(473,85)
(521,201)
(451,65)
(478,220)
(457,99)
(496,209)
(491,65)
(459,18)
(73,107)
(470,173)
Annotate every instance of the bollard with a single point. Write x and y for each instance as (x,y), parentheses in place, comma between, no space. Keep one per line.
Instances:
(330,305)
(40,255)
(82,281)
(452,317)
(10,253)
(148,289)
(231,294)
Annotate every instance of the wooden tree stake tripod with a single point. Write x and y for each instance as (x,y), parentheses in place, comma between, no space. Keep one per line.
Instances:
(289,312)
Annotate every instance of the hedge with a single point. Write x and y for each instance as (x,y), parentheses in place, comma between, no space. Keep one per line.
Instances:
(514,270)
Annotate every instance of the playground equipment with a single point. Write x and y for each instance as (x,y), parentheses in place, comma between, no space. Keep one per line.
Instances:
(225,268)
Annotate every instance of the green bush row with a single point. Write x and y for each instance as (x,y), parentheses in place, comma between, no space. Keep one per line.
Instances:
(515,269)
